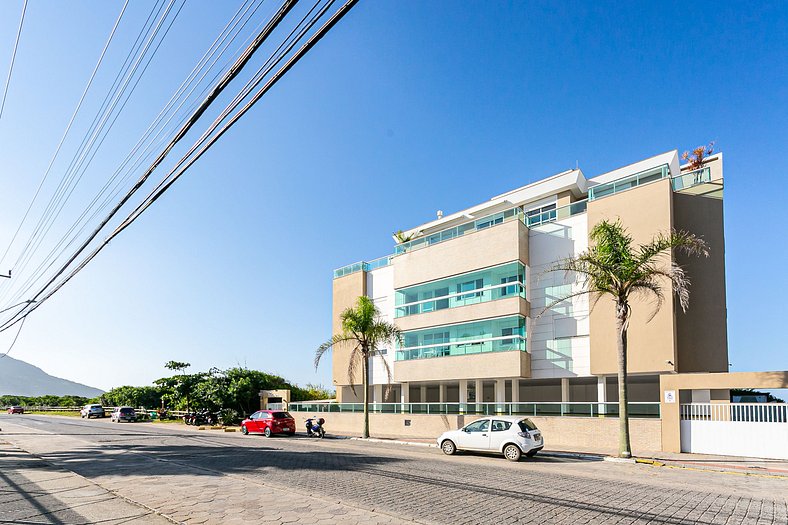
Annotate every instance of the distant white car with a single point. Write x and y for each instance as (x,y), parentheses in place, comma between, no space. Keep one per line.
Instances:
(511,436)
(93,410)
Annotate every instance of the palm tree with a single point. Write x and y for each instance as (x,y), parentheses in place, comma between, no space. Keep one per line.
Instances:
(613,266)
(362,329)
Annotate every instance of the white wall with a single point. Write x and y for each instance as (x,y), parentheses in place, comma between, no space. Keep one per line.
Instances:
(735,438)
(380,288)
(558,339)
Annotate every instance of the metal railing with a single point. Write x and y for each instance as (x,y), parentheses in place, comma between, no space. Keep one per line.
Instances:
(690,179)
(579,409)
(367,266)
(745,412)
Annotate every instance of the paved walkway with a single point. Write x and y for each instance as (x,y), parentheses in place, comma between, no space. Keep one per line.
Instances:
(211,477)
(33,491)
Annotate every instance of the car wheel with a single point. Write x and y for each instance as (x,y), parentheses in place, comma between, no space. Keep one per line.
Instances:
(531,453)
(244,430)
(267,432)
(512,452)
(448,447)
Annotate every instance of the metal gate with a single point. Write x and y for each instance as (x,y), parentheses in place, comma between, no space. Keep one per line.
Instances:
(758,430)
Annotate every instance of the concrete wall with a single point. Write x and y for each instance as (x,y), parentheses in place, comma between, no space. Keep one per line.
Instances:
(572,433)
(702,331)
(347,289)
(464,314)
(644,211)
(481,249)
(475,366)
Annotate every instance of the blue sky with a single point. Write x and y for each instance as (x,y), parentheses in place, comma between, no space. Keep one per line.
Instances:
(405,108)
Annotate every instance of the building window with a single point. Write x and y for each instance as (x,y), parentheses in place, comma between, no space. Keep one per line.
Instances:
(493,335)
(504,281)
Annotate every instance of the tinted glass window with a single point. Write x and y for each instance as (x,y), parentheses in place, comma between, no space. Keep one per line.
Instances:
(126,410)
(500,426)
(479,426)
(526,424)
(256,415)
(282,415)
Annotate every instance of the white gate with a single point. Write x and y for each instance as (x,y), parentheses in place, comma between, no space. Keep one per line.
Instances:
(758,430)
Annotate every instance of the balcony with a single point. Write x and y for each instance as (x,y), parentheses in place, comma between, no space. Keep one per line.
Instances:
(626,183)
(366,266)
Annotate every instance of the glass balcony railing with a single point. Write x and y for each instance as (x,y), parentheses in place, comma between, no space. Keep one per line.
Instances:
(480,295)
(366,266)
(498,344)
(626,183)
(555,215)
(690,179)
(458,231)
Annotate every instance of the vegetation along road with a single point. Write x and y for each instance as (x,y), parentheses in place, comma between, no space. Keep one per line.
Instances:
(195,476)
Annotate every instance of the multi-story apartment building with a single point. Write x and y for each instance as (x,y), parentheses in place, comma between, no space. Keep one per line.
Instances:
(469,290)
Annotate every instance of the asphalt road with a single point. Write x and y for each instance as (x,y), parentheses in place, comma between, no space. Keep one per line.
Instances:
(211,477)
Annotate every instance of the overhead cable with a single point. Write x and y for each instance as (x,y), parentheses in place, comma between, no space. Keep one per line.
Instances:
(13,58)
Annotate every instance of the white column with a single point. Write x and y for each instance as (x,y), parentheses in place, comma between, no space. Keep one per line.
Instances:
(565,390)
(515,390)
(500,391)
(442,393)
(463,391)
(404,395)
(423,394)
(601,393)
(479,391)
(377,395)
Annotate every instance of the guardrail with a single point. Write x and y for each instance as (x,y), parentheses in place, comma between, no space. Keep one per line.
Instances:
(34,408)
(579,409)
(745,412)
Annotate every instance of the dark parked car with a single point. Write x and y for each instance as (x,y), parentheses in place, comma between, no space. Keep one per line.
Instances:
(16,410)
(269,422)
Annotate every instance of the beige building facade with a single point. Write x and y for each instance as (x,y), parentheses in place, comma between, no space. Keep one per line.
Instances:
(473,293)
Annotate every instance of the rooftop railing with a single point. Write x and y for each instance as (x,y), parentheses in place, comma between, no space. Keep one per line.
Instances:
(576,409)
(626,183)
(367,266)
(690,179)
(557,214)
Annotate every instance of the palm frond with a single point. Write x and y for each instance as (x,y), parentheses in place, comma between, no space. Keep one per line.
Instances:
(352,366)
(337,339)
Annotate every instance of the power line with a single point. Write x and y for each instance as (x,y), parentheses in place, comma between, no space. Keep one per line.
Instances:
(13,58)
(218,88)
(68,128)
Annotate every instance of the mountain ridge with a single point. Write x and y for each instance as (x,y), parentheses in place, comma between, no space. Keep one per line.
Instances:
(20,378)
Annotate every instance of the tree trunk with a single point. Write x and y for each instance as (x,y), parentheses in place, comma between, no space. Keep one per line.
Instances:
(622,322)
(365,385)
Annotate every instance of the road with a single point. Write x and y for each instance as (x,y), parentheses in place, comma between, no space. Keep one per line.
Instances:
(192,476)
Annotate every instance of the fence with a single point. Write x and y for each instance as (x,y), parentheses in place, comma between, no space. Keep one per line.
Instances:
(745,412)
(650,410)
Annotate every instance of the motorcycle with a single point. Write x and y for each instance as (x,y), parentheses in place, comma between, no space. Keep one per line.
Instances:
(314,427)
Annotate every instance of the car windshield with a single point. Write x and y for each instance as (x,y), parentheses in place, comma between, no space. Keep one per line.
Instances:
(126,410)
(526,425)
(282,415)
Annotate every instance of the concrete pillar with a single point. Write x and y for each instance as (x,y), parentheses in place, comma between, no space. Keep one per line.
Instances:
(442,393)
(377,394)
(500,391)
(463,390)
(423,394)
(479,391)
(515,390)
(565,390)
(601,394)
(404,396)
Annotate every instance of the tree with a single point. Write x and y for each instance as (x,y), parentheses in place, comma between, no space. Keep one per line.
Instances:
(613,266)
(184,386)
(698,156)
(365,332)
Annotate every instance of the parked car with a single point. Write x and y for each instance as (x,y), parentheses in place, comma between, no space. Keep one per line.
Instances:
(269,422)
(90,411)
(123,414)
(16,410)
(511,436)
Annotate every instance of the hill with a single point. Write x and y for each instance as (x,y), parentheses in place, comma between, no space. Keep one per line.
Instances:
(23,379)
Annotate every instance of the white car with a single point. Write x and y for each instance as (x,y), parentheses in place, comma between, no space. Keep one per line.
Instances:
(511,436)
(94,410)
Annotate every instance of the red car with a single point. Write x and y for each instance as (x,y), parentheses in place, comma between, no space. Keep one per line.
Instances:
(16,410)
(269,422)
